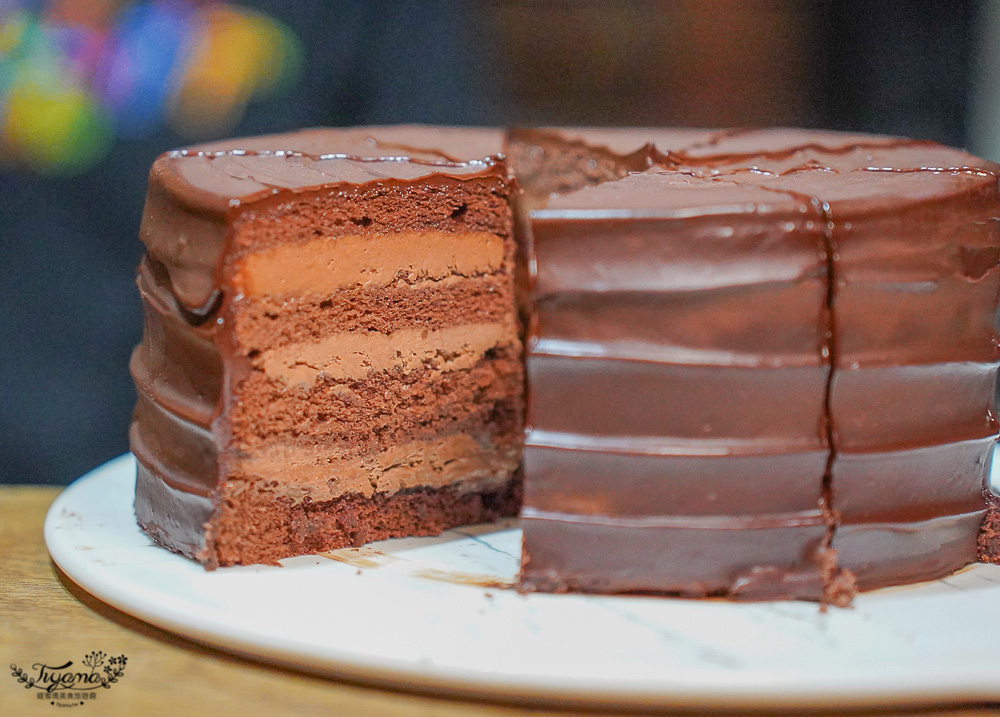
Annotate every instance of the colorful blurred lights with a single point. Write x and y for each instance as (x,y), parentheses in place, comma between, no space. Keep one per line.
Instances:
(239,55)
(141,63)
(54,129)
(68,86)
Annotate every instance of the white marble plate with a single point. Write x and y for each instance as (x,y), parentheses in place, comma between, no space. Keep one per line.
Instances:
(437,614)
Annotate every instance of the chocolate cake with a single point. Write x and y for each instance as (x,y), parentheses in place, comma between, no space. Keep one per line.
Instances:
(760,364)
(330,353)
(803,326)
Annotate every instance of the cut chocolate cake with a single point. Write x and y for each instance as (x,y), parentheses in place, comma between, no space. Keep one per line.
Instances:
(760,364)
(331,352)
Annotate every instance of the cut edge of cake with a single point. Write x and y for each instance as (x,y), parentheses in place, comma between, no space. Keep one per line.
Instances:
(367,382)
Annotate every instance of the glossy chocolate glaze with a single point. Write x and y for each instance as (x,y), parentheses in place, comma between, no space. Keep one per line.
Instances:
(691,558)
(743,345)
(872,260)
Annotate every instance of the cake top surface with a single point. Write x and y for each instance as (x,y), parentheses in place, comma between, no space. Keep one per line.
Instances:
(422,142)
(755,142)
(619,140)
(736,171)
(216,176)
(663,194)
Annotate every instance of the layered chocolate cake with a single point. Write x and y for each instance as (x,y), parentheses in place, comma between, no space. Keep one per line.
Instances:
(331,354)
(760,364)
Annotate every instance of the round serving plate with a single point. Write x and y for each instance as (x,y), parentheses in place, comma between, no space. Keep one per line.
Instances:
(441,614)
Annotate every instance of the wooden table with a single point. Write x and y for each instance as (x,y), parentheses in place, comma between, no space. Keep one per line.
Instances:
(45,617)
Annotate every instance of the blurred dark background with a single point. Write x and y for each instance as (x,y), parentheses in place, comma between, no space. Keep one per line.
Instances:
(92,90)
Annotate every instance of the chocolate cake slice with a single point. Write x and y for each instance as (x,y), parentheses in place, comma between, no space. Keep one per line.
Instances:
(331,353)
(677,439)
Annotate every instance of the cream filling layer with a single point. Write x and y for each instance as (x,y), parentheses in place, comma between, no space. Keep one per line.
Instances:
(326,264)
(318,473)
(353,355)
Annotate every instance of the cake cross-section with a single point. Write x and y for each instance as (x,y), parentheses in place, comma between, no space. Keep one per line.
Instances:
(332,352)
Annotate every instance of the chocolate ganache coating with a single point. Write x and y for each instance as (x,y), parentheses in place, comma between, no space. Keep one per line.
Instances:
(760,363)
(760,366)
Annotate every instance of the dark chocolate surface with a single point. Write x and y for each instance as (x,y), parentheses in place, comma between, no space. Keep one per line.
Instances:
(703,404)
(899,551)
(178,372)
(758,559)
(913,483)
(885,251)
(664,481)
